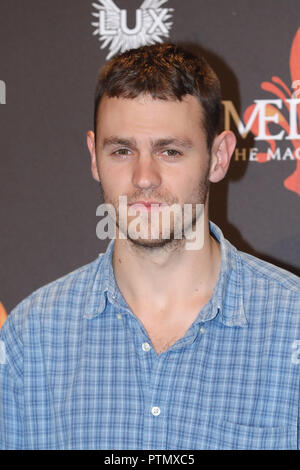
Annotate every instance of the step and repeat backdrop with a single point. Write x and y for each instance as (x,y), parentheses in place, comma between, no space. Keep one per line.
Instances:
(50,55)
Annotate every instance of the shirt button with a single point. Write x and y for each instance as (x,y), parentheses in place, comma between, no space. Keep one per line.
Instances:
(155,411)
(202,329)
(119,316)
(146,347)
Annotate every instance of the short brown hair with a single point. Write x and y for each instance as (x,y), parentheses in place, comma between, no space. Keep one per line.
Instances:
(165,71)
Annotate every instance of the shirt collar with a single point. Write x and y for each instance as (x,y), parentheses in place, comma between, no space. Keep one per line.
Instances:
(102,283)
(226,300)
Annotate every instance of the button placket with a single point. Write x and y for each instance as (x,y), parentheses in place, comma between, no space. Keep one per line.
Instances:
(157,400)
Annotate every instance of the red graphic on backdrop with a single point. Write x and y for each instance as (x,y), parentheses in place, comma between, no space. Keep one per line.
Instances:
(278,88)
(3,314)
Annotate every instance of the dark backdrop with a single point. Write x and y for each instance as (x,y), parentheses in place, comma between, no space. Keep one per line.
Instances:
(49,60)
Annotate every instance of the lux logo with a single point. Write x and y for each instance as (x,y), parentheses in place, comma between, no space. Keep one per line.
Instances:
(151,23)
(2,92)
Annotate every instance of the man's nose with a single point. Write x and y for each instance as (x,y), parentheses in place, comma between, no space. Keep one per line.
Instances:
(146,173)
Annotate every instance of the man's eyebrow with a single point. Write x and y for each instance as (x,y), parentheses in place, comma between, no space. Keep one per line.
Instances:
(184,142)
(115,140)
(155,144)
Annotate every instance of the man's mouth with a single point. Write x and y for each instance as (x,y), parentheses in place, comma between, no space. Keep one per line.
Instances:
(147,205)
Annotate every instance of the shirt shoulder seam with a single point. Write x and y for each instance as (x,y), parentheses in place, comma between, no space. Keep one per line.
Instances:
(292,283)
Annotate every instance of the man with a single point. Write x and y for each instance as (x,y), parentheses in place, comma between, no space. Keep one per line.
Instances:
(152,345)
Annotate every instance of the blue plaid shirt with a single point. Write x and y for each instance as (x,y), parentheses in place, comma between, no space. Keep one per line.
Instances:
(77,369)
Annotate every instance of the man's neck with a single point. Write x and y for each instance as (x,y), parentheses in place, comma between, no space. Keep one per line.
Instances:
(161,283)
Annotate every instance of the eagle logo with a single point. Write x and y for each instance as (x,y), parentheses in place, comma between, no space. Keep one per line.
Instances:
(152,23)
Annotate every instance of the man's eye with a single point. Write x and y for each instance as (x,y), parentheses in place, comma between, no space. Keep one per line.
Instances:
(172,153)
(122,152)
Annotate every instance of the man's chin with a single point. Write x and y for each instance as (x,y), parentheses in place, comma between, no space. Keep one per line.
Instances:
(152,243)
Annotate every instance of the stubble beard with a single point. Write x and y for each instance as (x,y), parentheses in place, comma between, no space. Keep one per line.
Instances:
(198,196)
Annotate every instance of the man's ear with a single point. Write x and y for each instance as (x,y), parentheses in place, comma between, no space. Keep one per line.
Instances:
(90,140)
(222,150)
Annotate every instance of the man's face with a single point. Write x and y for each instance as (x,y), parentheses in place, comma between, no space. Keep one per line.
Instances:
(151,150)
